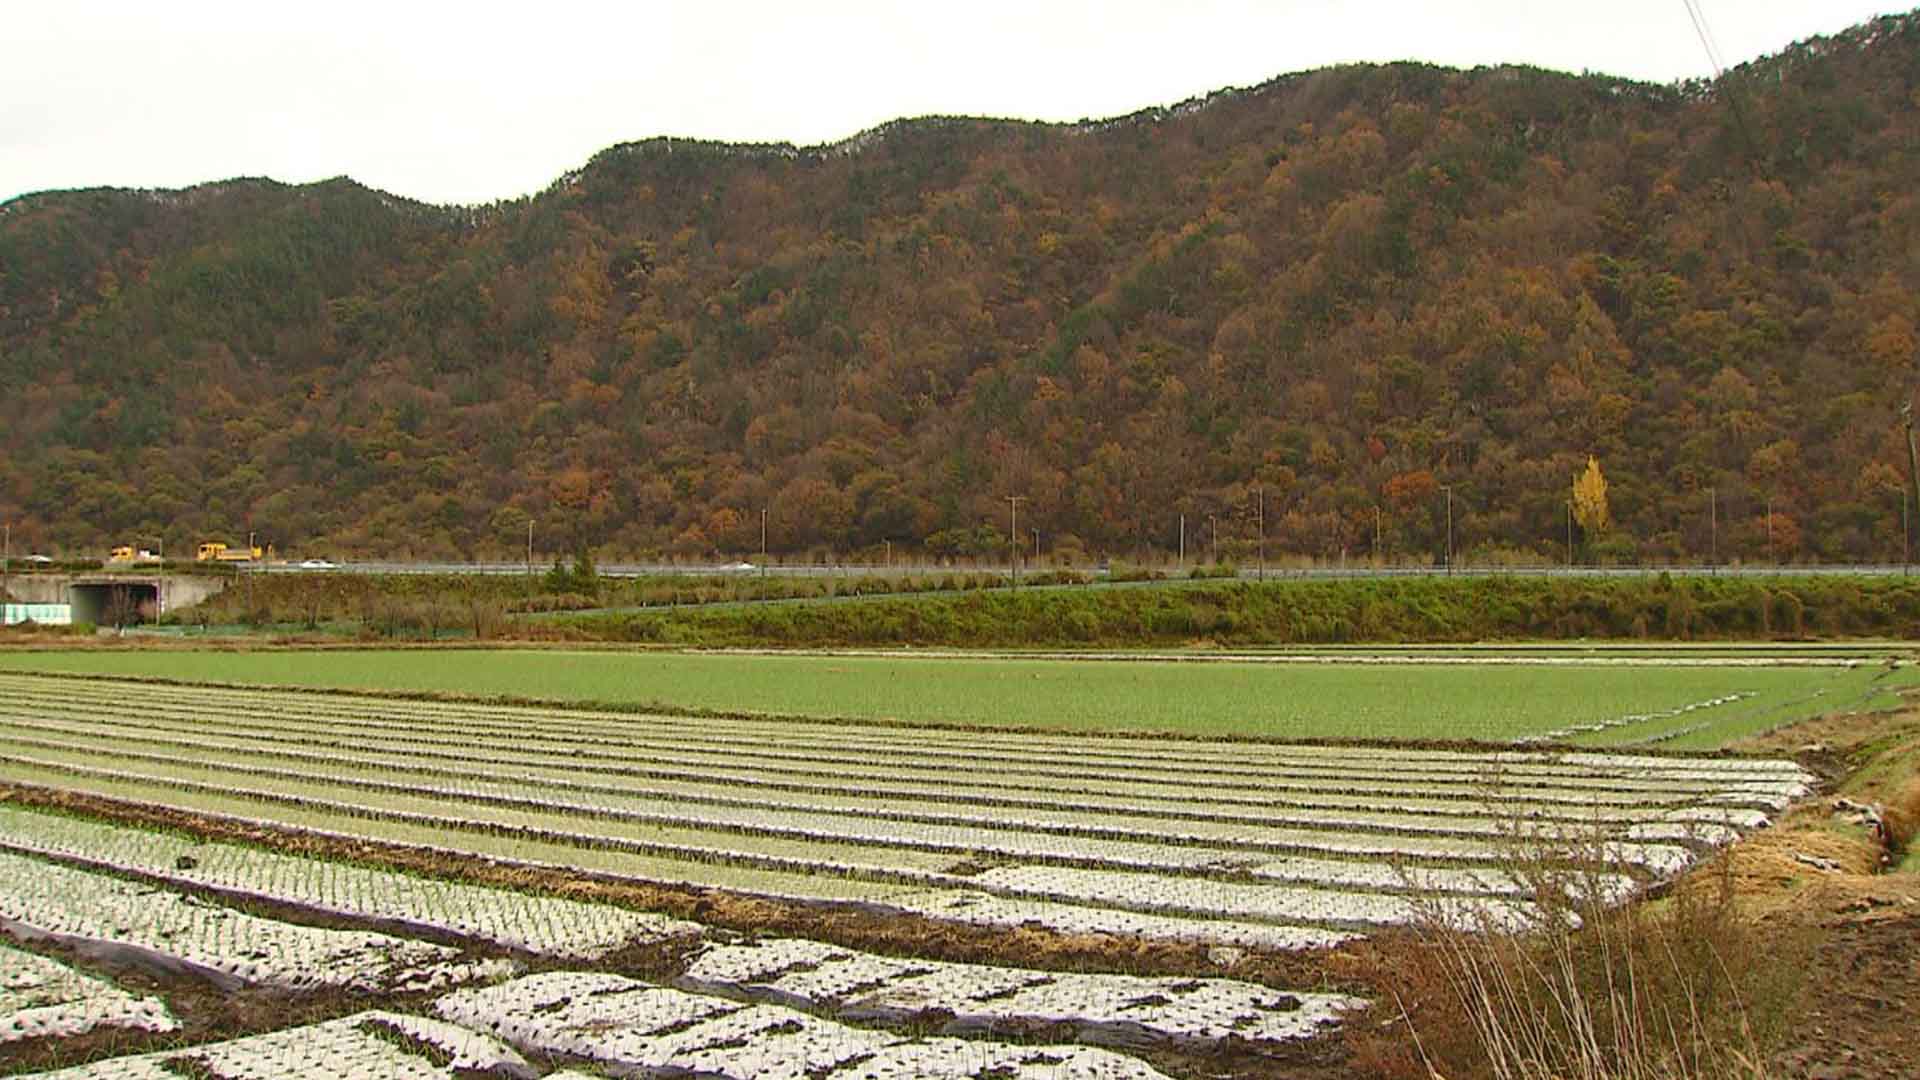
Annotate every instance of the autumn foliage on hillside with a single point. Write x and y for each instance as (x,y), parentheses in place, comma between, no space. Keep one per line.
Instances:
(1341,292)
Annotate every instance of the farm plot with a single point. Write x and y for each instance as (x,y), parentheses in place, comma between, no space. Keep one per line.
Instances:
(372,1045)
(545,926)
(108,916)
(1295,701)
(1264,844)
(785,747)
(1097,1009)
(660,764)
(1111,1010)
(41,997)
(632,1028)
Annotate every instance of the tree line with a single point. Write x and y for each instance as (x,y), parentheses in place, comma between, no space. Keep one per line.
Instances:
(1369,312)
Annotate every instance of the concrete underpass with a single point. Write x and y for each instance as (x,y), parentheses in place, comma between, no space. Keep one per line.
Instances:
(114,603)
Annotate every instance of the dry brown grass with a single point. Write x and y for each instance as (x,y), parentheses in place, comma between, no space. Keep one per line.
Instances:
(1687,988)
(1701,985)
(1903,816)
(1775,871)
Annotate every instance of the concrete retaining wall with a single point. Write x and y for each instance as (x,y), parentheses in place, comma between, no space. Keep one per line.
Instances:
(182,590)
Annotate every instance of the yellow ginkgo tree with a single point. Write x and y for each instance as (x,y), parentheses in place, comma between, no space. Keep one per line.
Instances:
(1590,499)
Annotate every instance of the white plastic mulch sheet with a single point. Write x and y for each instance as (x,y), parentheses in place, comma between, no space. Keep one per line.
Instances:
(1246,845)
(1203,897)
(633,1029)
(180,933)
(549,926)
(41,997)
(365,1046)
(983,909)
(1115,1010)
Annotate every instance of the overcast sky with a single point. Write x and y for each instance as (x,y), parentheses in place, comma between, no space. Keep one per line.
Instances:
(470,102)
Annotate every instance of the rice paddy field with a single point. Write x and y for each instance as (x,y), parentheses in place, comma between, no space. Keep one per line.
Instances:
(271,864)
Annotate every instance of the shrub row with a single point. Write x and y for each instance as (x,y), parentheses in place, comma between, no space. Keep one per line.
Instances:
(1241,613)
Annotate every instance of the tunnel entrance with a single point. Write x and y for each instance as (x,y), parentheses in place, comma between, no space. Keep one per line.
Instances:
(115,603)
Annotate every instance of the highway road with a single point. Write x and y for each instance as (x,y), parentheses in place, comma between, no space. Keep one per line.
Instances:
(633,570)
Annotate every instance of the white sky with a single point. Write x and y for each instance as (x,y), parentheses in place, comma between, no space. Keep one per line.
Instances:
(469,102)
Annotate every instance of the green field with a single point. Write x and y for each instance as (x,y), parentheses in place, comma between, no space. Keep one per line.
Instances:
(1488,701)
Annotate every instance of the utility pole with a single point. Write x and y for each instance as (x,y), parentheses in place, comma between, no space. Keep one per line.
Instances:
(1376,538)
(251,560)
(6,574)
(1569,534)
(889,544)
(1036,547)
(1260,518)
(1770,556)
(529,546)
(1448,488)
(1713,526)
(763,541)
(1183,541)
(1905,543)
(161,542)
(1013,534)
(1913,464)
(1213,528)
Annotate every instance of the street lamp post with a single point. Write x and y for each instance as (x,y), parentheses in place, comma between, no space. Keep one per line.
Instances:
(1713,526)
(763,541)
(1183,541)
(1213,530)
(1448,488)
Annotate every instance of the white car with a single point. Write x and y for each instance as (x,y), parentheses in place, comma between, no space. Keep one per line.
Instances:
(739,568)
(316,564)
(38,560)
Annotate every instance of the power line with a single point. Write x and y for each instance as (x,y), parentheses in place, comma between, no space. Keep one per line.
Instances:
(1698,16)
(1705,33)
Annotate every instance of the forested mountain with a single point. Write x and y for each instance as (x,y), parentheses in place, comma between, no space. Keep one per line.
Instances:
(1344,289)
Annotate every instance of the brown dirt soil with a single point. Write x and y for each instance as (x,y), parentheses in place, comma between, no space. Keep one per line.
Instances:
(1863,991)
(1862,986)
(1860,989)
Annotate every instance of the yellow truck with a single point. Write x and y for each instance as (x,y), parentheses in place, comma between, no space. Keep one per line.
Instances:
(129,554)
(215,551)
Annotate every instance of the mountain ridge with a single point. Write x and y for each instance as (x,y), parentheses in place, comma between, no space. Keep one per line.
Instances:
(1346,289)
